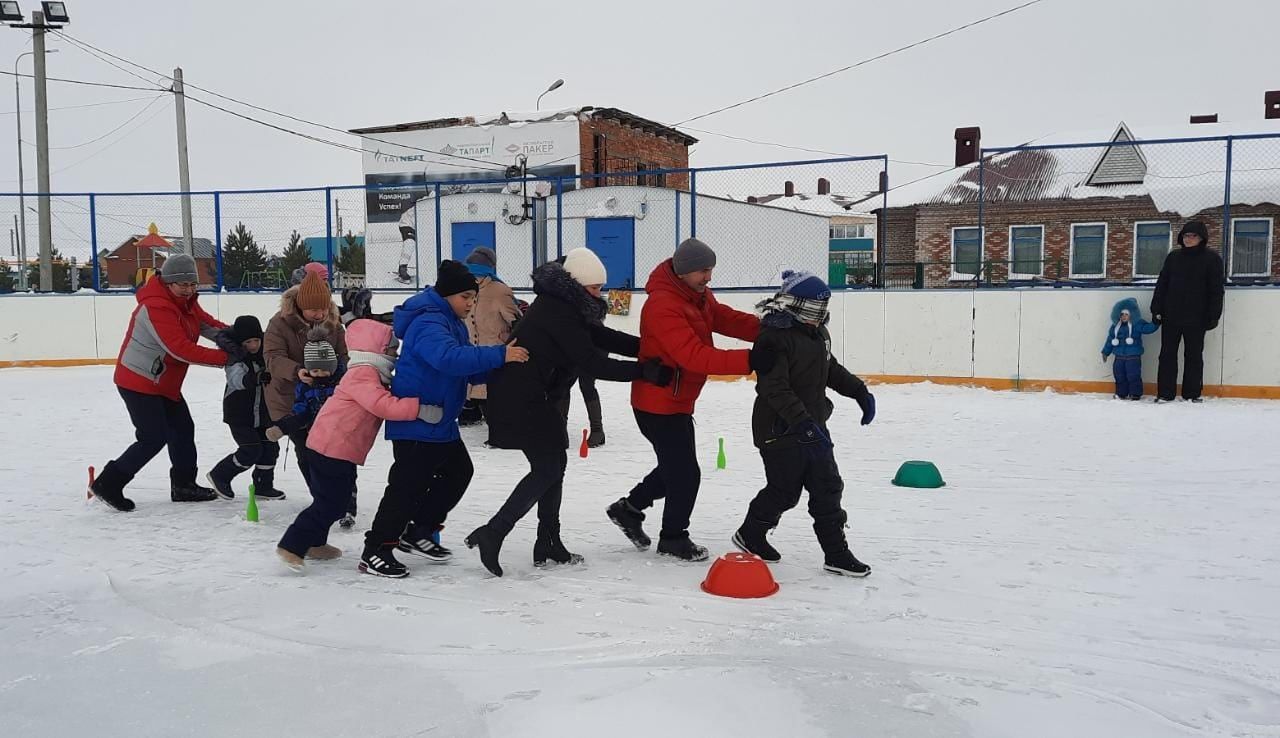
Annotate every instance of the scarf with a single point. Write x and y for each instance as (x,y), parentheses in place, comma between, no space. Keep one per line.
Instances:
(383,363)
(782,310)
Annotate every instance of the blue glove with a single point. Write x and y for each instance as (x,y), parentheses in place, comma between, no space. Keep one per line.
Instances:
(811,434)
(868,404)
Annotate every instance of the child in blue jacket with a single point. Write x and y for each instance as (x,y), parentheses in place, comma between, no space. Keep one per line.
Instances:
(432,468)
(1124,341)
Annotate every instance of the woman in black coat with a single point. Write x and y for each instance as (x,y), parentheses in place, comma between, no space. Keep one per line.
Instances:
(565,334)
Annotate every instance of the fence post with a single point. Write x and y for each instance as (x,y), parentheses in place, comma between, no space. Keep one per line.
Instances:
(217,236)
(693,204)
(328,232)
(1226,215)
(93,241)
(677,191)
(982,197)
(439,237)
(882,225)
(559,218)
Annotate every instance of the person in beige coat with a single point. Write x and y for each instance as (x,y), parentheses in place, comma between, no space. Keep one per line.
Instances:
(302,307)
(490,323)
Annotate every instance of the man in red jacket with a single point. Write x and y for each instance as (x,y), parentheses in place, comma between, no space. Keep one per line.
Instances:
(161,342)
(676,324)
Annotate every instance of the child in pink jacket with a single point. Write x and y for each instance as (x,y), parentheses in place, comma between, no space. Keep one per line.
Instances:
(342,435)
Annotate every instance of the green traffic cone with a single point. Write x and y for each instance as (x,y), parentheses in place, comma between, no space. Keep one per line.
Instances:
(251,514)
(720,456)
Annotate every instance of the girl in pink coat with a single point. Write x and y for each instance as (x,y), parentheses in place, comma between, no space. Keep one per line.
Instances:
(342,435)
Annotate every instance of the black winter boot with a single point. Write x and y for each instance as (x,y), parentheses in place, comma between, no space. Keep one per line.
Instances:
(628,517)
(550,547)
(845,564)
(489,541)
(182,489)
(471,414)
(108,486)
(220,477)
(837,558)
(264,483)
(596,438)
(683,548)
(751,539)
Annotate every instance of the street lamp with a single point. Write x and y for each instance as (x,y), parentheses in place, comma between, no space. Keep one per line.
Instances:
(554,86)
(22,211)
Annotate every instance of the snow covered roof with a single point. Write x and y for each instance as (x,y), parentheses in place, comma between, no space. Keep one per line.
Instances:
(518,118)
(828,205)
(1185,178)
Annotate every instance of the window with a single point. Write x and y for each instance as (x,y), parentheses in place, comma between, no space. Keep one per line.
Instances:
(849,230)
(1251,247)
(1088,250)
(1026,250)
(966,252)
(1151,243)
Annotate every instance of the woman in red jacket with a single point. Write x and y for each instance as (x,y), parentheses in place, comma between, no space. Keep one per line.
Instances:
(161,342)
(676,324)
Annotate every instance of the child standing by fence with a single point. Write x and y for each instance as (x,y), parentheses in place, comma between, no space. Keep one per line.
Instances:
(1124,341)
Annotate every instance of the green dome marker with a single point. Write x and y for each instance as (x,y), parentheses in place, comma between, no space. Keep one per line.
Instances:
(919,474)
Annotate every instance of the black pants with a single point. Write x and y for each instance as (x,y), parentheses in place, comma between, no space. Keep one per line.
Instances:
(253,449)
(789,470)
(158,422)
(331,483)
(677,476)
(587,385)
(542,486)
(299,440)
(1193,362)
(426,481)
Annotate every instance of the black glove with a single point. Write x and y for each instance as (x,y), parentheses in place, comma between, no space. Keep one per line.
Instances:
(655,372)
(1212,324)
(228,343)
(264,377)
(762,359)
(811,434)
(867,402)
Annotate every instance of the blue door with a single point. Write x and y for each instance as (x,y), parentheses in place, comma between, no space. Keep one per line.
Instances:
(614,241)
(468,235)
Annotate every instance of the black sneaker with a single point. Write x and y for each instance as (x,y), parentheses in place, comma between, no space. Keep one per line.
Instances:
(751,543)
(1197,400)
(1136,398)
(628,518)
(381,562)
(1163,400)
(221,486)
(191,492)
(682,548)
(426,548)
(348,522)
(846,564)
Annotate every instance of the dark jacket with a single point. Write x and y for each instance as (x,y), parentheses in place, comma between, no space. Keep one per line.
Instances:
(795,389)
(308,399)
(437,361)
(565,334)
(282,345)
(244,401)
(1190,289)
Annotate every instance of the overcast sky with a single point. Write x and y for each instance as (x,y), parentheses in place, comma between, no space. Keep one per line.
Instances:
(1062,65)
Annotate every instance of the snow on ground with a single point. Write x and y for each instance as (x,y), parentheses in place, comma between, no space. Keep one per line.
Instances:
(1094,567)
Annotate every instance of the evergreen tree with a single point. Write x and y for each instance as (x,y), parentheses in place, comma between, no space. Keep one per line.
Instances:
(61,272)
(8,282)
(351,259)
(295,254)
(241,257)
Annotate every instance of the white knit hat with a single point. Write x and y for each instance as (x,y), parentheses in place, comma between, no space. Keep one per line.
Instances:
(585,267)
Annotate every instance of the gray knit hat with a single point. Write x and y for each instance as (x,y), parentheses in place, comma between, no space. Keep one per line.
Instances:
(692,255)
(484,256)
(179,269)
(318,352)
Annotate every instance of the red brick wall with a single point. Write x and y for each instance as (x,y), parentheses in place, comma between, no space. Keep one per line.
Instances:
(928,228)
(625,147)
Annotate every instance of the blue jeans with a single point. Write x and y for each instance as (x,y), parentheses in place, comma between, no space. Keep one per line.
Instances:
(1128,374)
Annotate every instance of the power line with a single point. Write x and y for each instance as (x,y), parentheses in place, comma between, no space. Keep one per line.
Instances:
(812,151)
(878,57)
(85,82)
(77,107)
(186,83)
(77,163)
(282,129)
(131,118)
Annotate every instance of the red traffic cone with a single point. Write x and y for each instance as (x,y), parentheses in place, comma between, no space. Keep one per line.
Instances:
(88,493)
(583,450)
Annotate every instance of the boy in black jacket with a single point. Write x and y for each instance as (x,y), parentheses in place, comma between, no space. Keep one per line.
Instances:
(788,423)
(244,409)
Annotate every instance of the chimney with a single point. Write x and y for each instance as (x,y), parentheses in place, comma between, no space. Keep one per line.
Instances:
(752,199)
(1198,119)
(824,187)
(968,144)
(789,189)
(1273,105)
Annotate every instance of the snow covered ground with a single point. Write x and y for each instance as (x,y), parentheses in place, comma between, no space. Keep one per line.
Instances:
(1094,567)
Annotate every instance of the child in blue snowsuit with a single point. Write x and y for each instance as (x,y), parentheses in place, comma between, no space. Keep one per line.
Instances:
(1124,341)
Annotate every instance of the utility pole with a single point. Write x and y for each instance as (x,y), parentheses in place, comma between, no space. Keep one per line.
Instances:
(42,154)
(184,174)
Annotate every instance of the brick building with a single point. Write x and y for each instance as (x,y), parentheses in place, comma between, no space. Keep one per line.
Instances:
(1101,214)
(120,266)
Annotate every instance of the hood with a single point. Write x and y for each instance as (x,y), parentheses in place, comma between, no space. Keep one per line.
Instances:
(1130,304)
(426,301)
(368,335)
(289,309)
(551,280)
(1197,228)
(663,279)
(155,289)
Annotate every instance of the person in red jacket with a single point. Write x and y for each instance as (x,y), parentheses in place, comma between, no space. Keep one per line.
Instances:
(676,324)
(160,343)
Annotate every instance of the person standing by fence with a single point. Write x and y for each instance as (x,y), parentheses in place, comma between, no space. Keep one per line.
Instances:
(1188,303)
